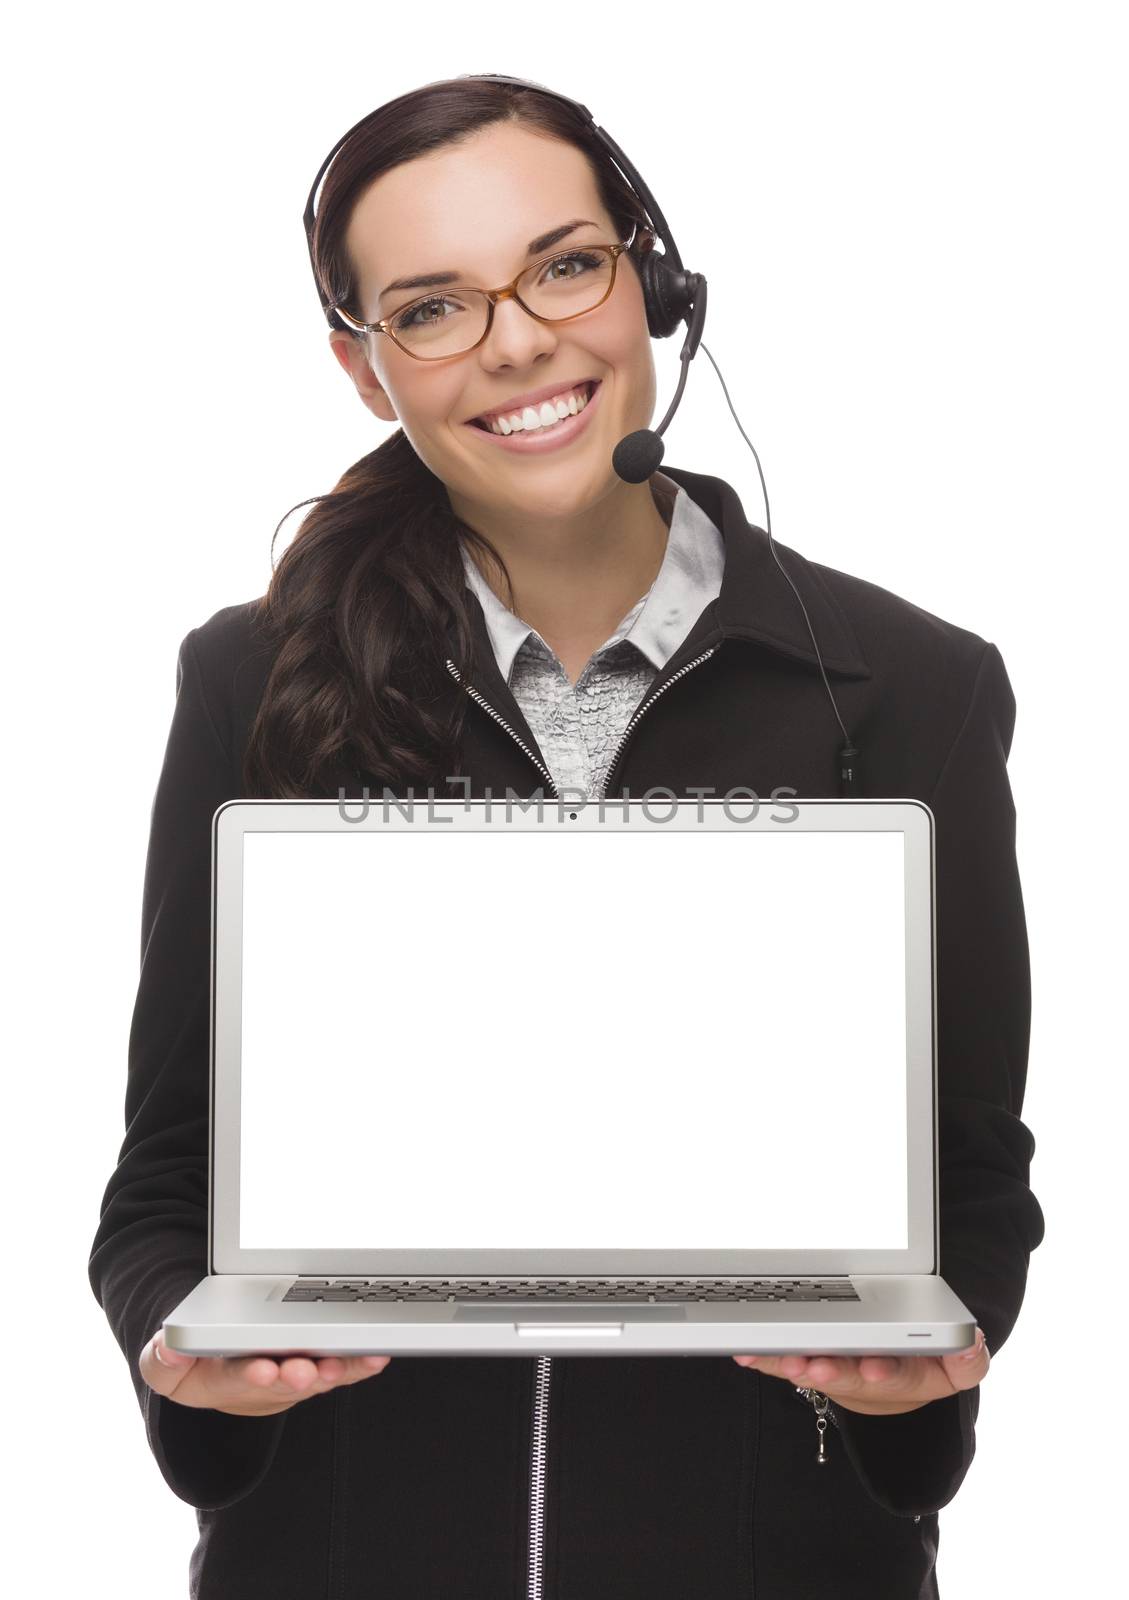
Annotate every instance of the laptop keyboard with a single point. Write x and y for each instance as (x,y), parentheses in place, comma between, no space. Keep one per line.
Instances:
(612,1291)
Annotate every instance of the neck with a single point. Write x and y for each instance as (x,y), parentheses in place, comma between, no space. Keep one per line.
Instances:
(575,577)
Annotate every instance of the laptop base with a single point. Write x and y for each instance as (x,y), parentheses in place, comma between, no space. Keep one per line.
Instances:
(236,1315)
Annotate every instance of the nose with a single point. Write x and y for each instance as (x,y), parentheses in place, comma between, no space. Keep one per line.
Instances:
(515,339)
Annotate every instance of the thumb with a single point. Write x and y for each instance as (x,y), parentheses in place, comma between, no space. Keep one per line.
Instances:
(164,1369)
(967,1368)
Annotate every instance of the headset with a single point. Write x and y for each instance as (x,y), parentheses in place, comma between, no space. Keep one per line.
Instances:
(672,296)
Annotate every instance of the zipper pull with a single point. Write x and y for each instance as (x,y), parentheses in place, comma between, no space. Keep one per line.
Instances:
(822,1405)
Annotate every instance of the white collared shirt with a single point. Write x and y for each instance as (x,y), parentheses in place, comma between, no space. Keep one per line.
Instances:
(578,727)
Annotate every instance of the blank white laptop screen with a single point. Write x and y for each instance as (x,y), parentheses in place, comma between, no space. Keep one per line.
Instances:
(655,1039)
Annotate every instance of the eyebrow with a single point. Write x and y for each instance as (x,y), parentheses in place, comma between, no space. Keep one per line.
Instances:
(543,241)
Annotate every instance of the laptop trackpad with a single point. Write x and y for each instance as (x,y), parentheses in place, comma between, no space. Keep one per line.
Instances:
(562,1315)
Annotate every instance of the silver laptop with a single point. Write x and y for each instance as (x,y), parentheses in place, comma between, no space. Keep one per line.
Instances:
(545,1077)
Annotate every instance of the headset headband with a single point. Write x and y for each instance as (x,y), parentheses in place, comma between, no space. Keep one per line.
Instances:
(658,222)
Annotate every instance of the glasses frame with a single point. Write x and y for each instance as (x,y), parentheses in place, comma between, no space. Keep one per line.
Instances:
(507,291)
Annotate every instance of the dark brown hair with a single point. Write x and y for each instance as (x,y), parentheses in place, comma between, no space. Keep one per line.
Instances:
(358,608)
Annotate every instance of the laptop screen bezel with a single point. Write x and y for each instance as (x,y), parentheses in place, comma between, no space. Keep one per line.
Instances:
(235,818)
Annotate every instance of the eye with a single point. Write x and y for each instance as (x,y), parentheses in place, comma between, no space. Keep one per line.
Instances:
(584,259)
(407,319)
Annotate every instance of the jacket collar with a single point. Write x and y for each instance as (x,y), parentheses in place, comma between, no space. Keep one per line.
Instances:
(756,602)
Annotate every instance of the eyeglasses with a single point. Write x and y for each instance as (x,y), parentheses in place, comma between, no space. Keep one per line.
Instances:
(438,326)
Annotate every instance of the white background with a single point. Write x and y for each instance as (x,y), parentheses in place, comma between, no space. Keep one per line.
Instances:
(911,218)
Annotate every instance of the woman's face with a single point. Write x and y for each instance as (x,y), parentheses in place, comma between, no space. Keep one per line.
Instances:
(473,209)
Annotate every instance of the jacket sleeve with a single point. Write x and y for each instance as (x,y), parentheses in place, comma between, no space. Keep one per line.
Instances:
(989,1219)
(150,1248)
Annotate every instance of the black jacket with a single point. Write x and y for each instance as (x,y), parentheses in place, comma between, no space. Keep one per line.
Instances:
(667,1478)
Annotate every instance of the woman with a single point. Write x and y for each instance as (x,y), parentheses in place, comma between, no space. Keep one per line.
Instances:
(473,611)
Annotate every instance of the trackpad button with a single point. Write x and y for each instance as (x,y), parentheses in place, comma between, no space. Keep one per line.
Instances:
(603,1319)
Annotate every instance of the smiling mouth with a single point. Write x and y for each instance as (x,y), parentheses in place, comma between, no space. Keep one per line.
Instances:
(477,422)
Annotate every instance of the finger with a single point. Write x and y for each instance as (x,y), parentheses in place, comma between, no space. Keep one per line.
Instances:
(286,1374)
(967,1368)
(163,1369)
(350,1369)
(810,1371)
(299,1373)
(308,1374)
(792,1367)
(228,1378)
(261,1372)
(844,1374)
(858,1375)
(358,1367)
(338,1367)
(882,1370)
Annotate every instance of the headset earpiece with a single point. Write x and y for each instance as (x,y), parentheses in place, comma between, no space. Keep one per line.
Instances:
(666,294)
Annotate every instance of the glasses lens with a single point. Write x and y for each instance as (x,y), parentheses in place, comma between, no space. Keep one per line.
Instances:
(449,323)
(568,284)
(442,325)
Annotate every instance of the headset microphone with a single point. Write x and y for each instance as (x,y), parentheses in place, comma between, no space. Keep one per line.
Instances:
(637,456)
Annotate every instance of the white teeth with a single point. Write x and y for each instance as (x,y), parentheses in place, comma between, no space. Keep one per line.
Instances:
(546,415)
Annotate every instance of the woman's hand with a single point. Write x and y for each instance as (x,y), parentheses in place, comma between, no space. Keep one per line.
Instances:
(880,1386)
(248,1386)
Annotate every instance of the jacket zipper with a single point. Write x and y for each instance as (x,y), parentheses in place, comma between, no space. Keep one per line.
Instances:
(635,716)
(487,707)
(537,1474)
(544,1374)
(646,706)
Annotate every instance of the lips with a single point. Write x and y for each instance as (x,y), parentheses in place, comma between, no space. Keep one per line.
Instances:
(589,387)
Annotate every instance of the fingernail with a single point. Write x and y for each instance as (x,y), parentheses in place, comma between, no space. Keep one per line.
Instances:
(971,1354)
(168,1358)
